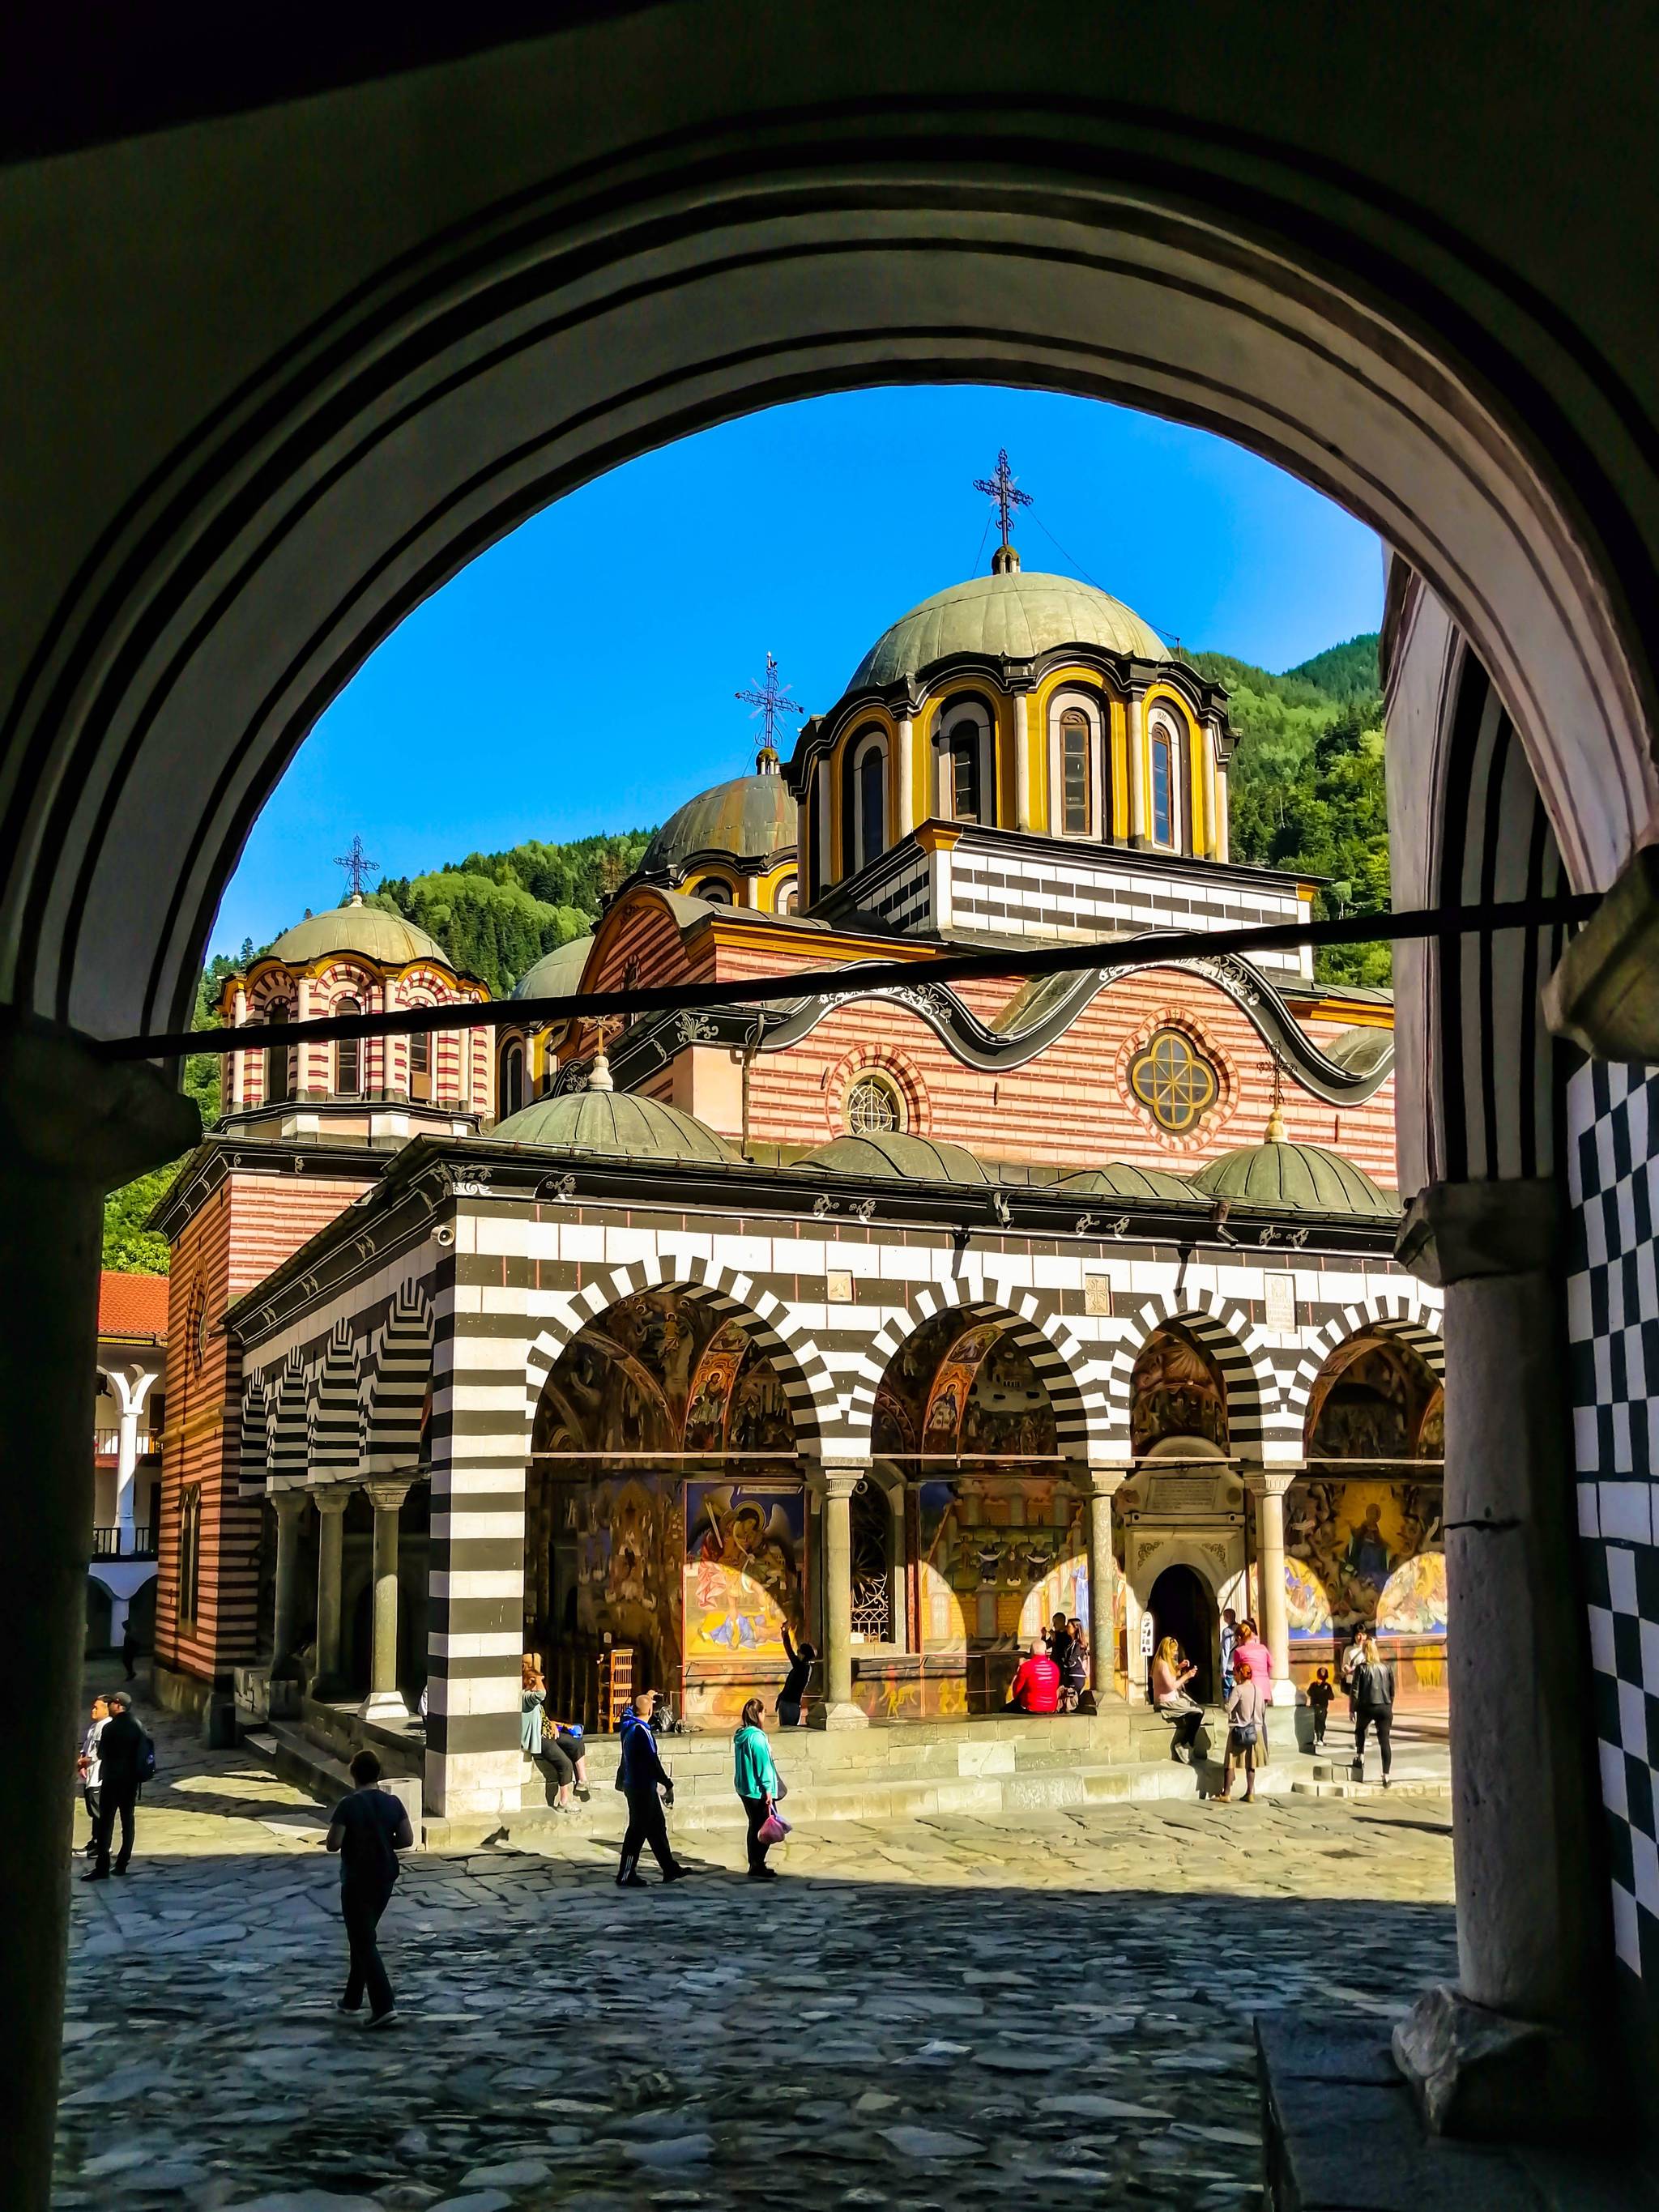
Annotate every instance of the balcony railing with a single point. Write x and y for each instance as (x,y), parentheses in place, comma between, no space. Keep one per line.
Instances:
(139,1544)
(107,1444)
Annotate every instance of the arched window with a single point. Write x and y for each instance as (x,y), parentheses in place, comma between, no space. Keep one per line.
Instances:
(873,1105)
(1164,788)
(279,1063)
(715,890)
(787,900)
(510,1086)
(873,1563)
(1076,781)
(965,794)
(190,1552)
(348,1054)
(872,802)
(419,1064)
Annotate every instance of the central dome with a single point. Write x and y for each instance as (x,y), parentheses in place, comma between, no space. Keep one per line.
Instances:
(617,1124)
(1014,614)
(748,819)
(354,927)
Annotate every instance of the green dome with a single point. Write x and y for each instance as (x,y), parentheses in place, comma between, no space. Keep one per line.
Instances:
(1299,1178)
(354,928)
(1015,614)
(557,974)
(1117,1179)
(750,818)
(893,1153)
(614,1125)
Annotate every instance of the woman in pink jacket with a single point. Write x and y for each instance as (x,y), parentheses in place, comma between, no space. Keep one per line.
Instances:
(1251,1647)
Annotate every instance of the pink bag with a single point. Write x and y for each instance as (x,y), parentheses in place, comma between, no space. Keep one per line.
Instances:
(773,1829)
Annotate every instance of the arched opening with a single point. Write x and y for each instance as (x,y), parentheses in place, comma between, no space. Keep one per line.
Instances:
(1177,1391)
(871,802)
(1364,1545)
(1076,774)
(1181,1605)
(348,1053)
(510,1084)
(667,1521)
(99,1607)
(279,1062)
(420,1064)
(995,1526)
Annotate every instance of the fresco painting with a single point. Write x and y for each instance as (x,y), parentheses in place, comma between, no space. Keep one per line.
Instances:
(1176,1390)
(746,1550)
(1000,1556)
(1347,1543)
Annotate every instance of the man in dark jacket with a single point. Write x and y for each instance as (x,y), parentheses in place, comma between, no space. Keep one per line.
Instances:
(120,1765)
(641,1776)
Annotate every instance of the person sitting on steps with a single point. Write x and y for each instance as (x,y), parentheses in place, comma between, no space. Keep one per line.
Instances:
(1035,1686)
(1172,1671)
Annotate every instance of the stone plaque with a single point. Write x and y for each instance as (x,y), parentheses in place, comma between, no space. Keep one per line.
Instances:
(1281,1300)
(1096,1294)
(838,1287)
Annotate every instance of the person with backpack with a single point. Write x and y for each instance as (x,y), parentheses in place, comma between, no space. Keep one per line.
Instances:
(758,1785)
(646,1785)
(368,1829)
(126,1760)
(1373,1703)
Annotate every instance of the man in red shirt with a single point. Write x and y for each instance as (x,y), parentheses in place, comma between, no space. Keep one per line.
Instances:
(1035,1687)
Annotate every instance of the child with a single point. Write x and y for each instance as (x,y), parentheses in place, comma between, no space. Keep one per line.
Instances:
(1320,1694)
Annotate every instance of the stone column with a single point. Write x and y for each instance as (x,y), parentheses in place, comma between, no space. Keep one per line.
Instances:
(1137,772)
(1267,1486)
(1104,1483)
(1517,2048)
(331,1531)
(237,1066)
(385,1700)
(1211,818)
(904,809)
(839,1484)
(1223,845)
(71,1126)
(1022,761)
(132,1391)
(287,1505)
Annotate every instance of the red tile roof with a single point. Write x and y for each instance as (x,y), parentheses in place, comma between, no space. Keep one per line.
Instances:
(132,1305)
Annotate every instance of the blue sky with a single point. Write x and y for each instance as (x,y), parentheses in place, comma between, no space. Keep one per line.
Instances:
(580,675)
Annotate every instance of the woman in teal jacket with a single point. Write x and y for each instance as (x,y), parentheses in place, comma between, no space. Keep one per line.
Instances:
(758,1785)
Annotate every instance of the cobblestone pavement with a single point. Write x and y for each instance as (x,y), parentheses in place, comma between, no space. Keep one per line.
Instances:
(949,2012)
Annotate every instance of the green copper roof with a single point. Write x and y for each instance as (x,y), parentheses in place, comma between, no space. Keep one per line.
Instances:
(615,1124)
(1117,1179)
(370,930)
(896,1154)
(750,818)
(1015,614)
(1300,1178)
(556,974)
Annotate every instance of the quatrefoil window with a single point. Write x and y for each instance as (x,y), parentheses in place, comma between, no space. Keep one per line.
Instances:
(1175,1085)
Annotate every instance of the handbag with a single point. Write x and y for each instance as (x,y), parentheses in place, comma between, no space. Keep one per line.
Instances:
(773,1829)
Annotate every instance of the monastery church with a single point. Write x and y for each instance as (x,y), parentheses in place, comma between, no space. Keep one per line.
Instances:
(897,1318)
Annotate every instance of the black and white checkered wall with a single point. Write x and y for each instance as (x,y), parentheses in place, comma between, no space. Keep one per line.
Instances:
(1613,1114)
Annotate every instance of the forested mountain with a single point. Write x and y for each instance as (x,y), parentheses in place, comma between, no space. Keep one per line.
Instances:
(1306,791)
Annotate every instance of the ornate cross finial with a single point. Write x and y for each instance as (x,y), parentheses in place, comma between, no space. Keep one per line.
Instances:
(769,699)
(356,864)
(1001,487)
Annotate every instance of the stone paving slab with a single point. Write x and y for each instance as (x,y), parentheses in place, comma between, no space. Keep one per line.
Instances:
(954,2011)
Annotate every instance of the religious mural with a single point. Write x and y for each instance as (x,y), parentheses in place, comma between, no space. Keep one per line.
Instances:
(1176,1390)
(999,1558)
(961,1389)
(1364,1548)
(745,1552)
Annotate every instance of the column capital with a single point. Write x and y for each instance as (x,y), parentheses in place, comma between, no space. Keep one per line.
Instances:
(842,1477)
(1106,1477)
(88,1119)
(335,1497)
(1453,1231)
(1270,1478)
(386,1496)
(287,1504)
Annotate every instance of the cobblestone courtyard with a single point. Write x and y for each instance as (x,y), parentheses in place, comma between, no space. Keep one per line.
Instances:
(944,2012)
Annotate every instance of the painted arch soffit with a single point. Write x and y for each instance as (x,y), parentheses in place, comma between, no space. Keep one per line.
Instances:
(650,1046)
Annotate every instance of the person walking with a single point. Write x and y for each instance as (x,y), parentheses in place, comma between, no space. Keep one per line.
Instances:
(129,1647)
(121,1747)
(1246,1713)
(646,1785)
(792,1696)
(1373,1696)
(758,1785)
(368,1829)
(1353,1657)
(86,1766)
(1321,1691)
(1172,1671)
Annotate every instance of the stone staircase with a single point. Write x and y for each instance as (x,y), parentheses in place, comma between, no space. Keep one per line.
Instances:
(997,1766)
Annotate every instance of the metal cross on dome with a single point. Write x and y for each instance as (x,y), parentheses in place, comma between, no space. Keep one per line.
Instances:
(356,864)
(769,699)
(1000,487)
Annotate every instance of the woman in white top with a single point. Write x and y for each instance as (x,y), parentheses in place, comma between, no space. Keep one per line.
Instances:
(1172,1671)
(1245,1709)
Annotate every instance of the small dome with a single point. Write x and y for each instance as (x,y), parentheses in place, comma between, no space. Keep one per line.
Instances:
(1299,1178)
(1014,613)
(354,927)
(614,1125)
(1117,1179)
(893,1153)
(556,974)
(750,818)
